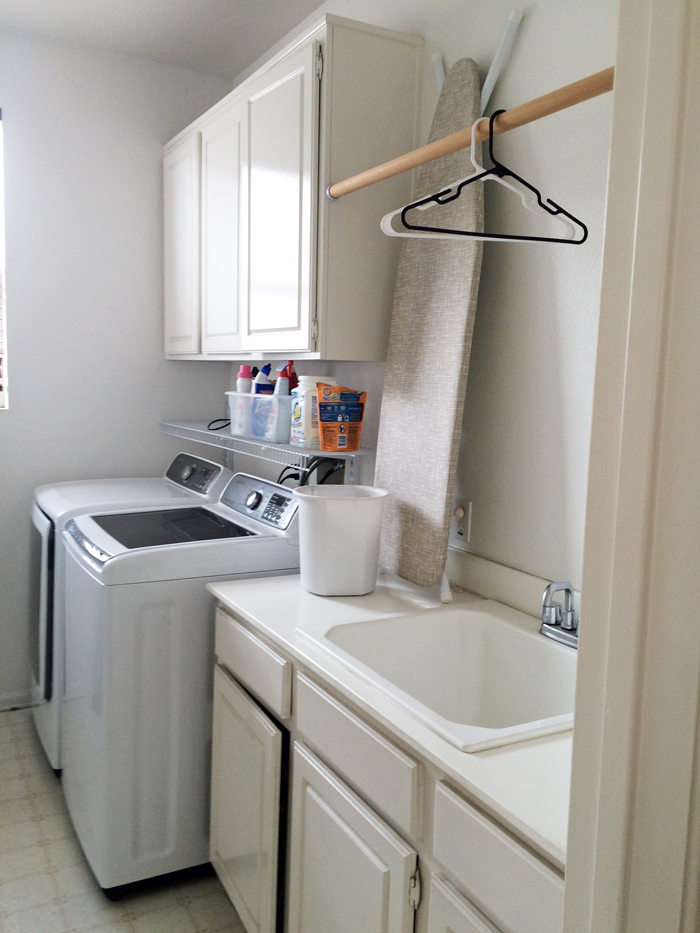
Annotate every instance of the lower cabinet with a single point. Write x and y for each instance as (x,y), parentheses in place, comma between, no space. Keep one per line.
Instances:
(348,870)
(245,814)
(340,861)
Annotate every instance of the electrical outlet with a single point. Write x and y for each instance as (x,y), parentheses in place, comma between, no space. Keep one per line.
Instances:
(461,524)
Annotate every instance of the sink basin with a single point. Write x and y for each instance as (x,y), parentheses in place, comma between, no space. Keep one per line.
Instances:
(479,675)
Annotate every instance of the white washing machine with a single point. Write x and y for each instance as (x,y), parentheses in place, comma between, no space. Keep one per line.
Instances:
(137,713)
(187,479)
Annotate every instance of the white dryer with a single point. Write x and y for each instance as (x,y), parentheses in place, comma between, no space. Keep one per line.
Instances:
(188,479)
(139,668)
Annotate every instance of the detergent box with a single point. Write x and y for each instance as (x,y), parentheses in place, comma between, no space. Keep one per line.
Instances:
(341,414)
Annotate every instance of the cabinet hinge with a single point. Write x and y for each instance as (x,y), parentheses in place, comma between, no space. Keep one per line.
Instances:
(414,890)
(314,331)
(319,64)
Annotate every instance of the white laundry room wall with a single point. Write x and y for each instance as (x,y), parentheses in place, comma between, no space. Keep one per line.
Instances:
(88,383)
(524,454)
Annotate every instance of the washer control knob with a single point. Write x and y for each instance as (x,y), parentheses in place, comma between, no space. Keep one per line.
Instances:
(253,499)
(187,472)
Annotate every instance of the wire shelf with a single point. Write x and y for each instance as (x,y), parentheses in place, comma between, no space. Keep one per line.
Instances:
(282,454)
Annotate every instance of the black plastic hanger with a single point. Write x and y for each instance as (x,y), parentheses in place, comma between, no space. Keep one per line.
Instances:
(498,172)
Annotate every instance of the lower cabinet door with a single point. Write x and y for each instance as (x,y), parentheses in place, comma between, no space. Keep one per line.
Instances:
(451,913)
(245,813)
(349,871)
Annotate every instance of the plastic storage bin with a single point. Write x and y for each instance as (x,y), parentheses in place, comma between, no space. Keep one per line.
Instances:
(265,417)
(339,529)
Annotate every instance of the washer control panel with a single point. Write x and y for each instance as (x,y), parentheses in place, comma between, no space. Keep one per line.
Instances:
(276,508)
(193,473)
(264,501)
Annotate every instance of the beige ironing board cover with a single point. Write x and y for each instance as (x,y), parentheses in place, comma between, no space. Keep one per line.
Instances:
(428,359)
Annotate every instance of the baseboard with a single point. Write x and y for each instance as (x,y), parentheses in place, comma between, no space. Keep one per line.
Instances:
(15,700)
(487,578)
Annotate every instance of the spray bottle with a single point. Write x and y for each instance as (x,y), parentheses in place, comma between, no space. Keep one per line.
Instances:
(283,386)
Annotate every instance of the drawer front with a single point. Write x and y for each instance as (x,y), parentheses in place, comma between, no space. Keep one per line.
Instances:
(380,771)
(266,674)
(451,913)
(505,880)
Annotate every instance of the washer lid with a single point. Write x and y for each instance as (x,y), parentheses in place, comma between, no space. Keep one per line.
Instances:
(168,526)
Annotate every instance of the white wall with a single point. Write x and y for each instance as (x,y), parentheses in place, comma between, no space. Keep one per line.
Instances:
(87,380)
(524,456)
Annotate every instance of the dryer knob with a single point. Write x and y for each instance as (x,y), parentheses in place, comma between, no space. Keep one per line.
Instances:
(187,472)
(253,499)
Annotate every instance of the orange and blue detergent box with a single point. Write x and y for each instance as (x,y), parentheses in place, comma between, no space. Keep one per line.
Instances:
(341,414)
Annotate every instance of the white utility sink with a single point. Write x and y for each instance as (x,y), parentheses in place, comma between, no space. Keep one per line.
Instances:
(479,675)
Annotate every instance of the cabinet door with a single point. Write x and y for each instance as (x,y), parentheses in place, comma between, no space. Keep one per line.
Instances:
(279,170)
(349,873)
(181,254)
(221,219)
(246,766)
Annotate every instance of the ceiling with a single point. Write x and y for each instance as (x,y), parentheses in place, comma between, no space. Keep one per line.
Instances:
(217,36)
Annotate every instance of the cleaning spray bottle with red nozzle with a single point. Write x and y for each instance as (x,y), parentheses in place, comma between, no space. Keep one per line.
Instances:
(287,379)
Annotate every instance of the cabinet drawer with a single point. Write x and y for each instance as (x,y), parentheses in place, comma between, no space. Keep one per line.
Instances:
(266,674)
(380,771)
(451,913)
(506,880)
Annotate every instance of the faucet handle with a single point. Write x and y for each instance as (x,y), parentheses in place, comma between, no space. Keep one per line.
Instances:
(552,614)
(568,620)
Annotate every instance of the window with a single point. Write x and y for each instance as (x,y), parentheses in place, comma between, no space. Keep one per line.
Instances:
(3,341)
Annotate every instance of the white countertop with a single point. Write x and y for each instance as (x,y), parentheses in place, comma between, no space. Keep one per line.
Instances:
(526,784)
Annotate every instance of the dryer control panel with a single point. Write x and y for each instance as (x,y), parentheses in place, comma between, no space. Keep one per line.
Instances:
(193,473)
(264,501)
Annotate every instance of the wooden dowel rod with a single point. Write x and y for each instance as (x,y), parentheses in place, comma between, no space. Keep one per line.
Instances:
(576,93)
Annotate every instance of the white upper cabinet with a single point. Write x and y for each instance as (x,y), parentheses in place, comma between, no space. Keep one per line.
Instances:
(283,270)
(181,248)
(279,166)
(222,143)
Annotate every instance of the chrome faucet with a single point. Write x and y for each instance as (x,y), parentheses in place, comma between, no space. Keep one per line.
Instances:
(559,622)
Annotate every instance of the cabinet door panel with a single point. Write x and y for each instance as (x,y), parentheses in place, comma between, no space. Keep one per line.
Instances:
(221,218)
(280,159)
(350,872)
(181,251)
(247,754)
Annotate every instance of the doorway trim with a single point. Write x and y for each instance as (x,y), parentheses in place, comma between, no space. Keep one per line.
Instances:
(634,830)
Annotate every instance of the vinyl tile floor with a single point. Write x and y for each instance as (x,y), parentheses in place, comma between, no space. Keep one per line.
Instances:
(45,883)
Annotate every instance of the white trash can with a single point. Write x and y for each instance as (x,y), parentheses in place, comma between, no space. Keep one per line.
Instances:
(339,529)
